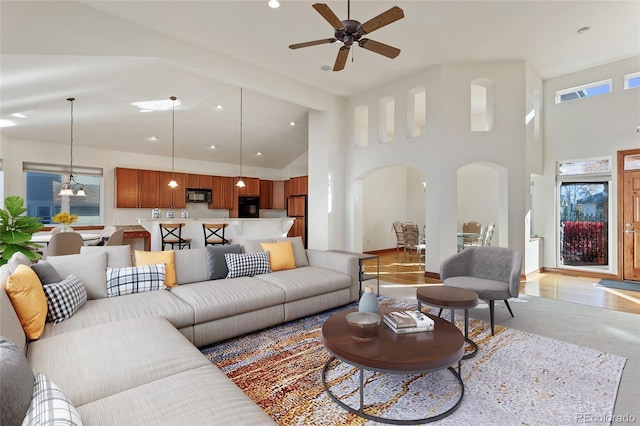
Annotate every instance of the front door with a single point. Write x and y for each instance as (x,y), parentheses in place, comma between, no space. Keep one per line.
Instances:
(629,164)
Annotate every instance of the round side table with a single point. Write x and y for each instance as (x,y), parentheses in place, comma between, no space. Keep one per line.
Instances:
(445,297)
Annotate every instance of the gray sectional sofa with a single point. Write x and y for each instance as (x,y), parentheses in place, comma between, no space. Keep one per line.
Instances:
(134,359)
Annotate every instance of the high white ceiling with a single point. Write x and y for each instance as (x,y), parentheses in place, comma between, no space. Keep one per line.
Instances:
(108,54)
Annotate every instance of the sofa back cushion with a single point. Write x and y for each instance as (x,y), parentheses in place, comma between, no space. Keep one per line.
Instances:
(16,386)
(10,326)
(299,252)
(254,246)
(191,266)
(117,256)
(90,268)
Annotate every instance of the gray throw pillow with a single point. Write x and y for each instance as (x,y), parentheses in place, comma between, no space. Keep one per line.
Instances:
(216,263)
(16,386)
(46,272)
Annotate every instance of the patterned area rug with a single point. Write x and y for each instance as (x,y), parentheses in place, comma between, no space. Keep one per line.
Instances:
(516,378)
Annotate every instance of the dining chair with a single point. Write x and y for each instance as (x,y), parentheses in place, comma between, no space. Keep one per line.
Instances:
(104,236)
(411,235)
(488,234)
(55,230)
(214,234)
(472,227)
(63,243)
(171,234)
(397,228)
(115,239)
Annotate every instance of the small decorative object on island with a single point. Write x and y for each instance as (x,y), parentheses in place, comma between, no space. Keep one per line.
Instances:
(155,213)
(66,219)
(169,214)
(368,301)
(184,214)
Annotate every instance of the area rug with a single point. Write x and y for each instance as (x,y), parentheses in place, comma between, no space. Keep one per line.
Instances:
(516,378)
(620,285)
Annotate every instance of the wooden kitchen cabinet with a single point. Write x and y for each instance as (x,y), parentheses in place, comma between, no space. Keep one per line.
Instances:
(278,198)
(148,188)
(297,206)
(135,188)
(266,190)
(222,192)
(298,185)
(171,198)
(298,229)
(198,181)
(252,187)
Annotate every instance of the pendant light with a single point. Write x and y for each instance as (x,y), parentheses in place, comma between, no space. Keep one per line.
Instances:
(240,183)
(172,182)
(68,187)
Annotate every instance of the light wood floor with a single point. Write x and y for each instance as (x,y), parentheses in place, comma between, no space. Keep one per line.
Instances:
(548,285)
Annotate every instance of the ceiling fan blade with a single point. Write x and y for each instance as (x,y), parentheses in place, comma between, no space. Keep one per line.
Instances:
(341,59)
(385,18)
(328,14)
(312,43)
(380,48)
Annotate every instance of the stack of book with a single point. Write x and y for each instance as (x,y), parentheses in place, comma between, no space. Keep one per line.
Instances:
(408,321)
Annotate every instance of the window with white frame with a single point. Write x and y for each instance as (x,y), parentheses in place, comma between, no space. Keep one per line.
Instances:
(632,81)
(43,199)
(584,91)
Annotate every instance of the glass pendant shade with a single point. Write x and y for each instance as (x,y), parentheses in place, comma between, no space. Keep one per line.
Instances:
(240,184)
(173,183)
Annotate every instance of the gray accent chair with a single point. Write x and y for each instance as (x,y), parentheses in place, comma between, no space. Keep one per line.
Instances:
(492,272)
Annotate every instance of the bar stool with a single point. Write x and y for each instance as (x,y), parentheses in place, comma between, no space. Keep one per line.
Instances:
(171,233)
(214,234)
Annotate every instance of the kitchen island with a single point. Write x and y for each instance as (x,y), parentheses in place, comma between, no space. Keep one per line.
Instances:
(239,230)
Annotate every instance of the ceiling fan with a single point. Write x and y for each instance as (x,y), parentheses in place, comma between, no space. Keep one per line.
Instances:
(351,31)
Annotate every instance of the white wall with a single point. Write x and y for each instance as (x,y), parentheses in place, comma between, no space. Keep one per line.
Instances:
(479,197)
(591,127)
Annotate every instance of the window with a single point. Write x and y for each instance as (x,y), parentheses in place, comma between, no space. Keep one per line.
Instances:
(583,211)
(43,183)
(584,91)
(632,81)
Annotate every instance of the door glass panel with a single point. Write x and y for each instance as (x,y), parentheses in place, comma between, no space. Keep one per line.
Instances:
(584,224)
(632,162)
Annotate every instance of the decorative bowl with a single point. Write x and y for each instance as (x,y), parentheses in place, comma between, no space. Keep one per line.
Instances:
(363,325)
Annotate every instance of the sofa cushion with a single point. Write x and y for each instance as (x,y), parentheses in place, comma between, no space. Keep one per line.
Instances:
(135,279)
(28,300)
(46,273)
(192,265)
(117,256)
(206,397)
(216,299)
(93,363)
(299,251)
(306,282)
(50,406)
(64,298)
(247,264)
(16,259)
(253,246)
(137,305)
(16,385)
(90,268)
(280,255)
(144,258)
(216,263)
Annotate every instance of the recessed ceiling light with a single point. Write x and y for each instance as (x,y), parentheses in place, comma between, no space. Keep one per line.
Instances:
(326,68)
(159,105)
(274,4)
(212,146)
(293,123)
(18,115)
(258,153)
(153,139)
(583,30)
(218,106)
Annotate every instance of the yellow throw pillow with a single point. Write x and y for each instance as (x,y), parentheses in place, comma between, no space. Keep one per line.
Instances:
(144,258)
(27,297)
(280,255)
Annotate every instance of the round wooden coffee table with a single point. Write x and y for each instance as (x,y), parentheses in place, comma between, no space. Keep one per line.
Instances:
(453,298)
(388,352)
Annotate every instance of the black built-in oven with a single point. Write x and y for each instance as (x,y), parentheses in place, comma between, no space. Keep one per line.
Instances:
(248,207)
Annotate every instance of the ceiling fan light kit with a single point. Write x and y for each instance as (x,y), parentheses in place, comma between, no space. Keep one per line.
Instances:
(351,31)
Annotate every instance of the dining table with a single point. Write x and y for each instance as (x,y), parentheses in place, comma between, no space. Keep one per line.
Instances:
(45,238)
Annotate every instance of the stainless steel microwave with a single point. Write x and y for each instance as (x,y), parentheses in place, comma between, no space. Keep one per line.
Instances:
(195,195)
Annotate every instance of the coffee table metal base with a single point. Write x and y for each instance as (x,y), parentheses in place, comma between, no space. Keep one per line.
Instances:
(360,412)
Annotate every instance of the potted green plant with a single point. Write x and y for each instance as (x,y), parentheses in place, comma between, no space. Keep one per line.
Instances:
(16,230)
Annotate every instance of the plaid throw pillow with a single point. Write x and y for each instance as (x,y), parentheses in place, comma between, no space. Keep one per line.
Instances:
(247,264)
(50,406)
(135,279)
(64,298)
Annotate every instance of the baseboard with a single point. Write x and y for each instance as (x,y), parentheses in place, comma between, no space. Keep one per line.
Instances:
(573,273)
(432,275)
